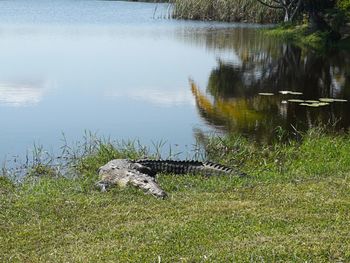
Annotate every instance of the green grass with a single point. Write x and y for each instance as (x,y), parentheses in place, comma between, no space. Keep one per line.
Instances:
(294,207)
(300,36)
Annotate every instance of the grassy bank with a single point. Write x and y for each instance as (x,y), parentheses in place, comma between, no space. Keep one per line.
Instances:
(294,207)
(225,10)
(335,30)
(300,35)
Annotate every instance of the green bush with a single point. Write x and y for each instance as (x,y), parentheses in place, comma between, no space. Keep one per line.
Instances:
(344,5)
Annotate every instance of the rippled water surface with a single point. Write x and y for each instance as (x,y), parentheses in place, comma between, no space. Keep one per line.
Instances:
(123,70)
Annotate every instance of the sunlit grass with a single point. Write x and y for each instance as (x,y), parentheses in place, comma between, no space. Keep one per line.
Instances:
(301,36)
(293,207)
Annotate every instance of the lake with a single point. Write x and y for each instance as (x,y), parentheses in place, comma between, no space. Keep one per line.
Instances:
(124,70)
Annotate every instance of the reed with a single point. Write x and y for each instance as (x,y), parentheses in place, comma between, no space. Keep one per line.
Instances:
(226,10)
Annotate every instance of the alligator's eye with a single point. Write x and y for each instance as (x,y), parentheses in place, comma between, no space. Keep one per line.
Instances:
(145,181)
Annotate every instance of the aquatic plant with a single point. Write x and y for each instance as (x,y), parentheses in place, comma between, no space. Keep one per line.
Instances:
(225,10)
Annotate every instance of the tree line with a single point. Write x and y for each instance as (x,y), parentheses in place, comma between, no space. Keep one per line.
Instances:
(324,15)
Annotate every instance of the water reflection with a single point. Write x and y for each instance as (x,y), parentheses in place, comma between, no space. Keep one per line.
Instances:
(118,71)
(21,94)
(231,101)
(160,98)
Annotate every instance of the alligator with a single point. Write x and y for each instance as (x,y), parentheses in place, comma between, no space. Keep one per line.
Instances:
(142,173)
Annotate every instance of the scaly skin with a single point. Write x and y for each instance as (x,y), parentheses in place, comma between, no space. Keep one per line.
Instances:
(141,173)
(184,167)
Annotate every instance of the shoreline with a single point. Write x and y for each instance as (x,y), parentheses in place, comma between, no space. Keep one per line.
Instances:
(294,203)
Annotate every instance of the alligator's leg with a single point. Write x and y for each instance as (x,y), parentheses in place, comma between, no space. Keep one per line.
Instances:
(102,186)
(144,169)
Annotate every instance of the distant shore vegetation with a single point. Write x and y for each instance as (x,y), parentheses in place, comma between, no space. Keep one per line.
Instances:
(314,23)
(248,11)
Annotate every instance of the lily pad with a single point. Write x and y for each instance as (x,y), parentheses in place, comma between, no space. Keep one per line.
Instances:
(315,105)
(323,104)
(295,100)
(312,101)
(284,102)
(266,94)
(285,92)
(326,99)
(340,100)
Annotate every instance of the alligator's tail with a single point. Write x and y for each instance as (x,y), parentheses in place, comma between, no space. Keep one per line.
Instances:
(214,168)
(184,167)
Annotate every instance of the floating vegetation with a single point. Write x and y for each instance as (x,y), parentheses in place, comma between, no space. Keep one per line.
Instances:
(312,101)
(286,92)
(309,105)
(323,104)
(295,100)
(315,104)
(332,100)
(327,99)
(265,94)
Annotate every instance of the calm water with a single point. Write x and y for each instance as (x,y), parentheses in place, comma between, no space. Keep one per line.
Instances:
(120,69)
(234,99)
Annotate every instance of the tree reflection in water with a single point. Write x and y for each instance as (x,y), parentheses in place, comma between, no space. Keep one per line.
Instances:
(232,102)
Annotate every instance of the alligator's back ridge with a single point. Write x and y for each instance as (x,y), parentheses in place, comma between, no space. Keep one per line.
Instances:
(183,167)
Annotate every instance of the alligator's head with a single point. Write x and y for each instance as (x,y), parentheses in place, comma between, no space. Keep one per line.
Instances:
(147,184)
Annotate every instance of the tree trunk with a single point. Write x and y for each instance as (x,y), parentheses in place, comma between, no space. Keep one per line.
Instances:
(286,15)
